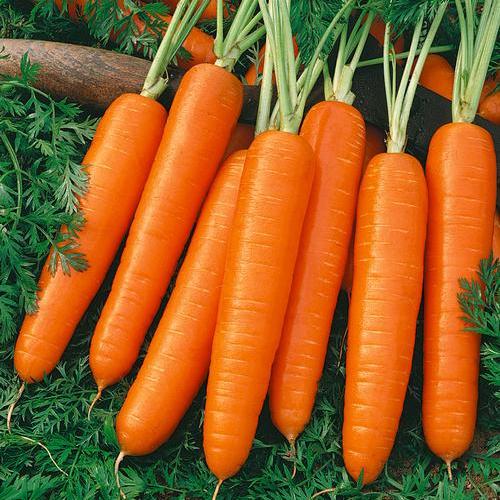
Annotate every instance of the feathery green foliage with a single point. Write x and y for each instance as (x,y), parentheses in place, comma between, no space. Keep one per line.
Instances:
(54,411)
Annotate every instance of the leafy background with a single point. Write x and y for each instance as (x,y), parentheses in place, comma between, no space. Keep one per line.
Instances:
(41,145)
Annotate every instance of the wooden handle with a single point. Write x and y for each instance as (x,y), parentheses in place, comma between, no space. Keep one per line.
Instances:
(94,77)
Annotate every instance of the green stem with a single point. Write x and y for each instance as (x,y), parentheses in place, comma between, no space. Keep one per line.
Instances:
(470,74)
(18,172)
(399,121)
(266,93)
(438,49)
(182,22)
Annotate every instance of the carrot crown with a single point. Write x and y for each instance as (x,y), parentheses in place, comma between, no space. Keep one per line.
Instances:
(479,23)
(185,17)
(292,90)
(398,14)
(246,29)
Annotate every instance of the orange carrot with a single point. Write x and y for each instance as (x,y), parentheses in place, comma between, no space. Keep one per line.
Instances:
(177,360)
(241,138)
(203,114)
(461,175)
(375,144)
(320,263)
(261,256)
(496,237)
(391,224)
(387,286)
(438,75)
(117,162)
(489,107)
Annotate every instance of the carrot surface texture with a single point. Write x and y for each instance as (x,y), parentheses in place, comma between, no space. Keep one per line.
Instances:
(118,163)
(203,115)
(388,271)
(374,145)
(198,43)
(461,177)
(336,132)
(262,250)
(177,360)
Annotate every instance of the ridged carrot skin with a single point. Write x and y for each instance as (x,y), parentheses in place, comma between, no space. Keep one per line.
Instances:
(262,250)
(179,355)
(118,163)
(336,133)
(388,273)
(241,138)
(202,116)
(461,176)
(438,75)
(374,145)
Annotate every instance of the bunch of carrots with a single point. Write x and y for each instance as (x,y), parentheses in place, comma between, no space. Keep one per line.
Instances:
(313,203)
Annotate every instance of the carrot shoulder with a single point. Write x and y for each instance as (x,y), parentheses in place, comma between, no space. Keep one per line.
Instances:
(118,162)
(177,360)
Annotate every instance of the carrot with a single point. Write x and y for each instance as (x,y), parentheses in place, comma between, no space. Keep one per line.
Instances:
(262,251)
(242,137)
(496,237)
(198,43)
(388,271)
(202,117)
(489,108)
(117,162)
(320,264)
(374,144)
(177,360)
(261,256)
(461,177)
(324,242)
(438,76)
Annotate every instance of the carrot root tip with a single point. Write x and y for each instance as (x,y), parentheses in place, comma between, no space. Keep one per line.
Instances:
(94,401)
(39,443)
(323,492)
(118,461)
(293,456)
(13,404)
(217,488)
(448,467)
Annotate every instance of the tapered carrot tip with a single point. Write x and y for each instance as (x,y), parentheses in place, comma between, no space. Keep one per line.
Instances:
(11,407)
(94,401)
(119,459)
(217,488)
(293,456)
(323,492)
(448,467)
